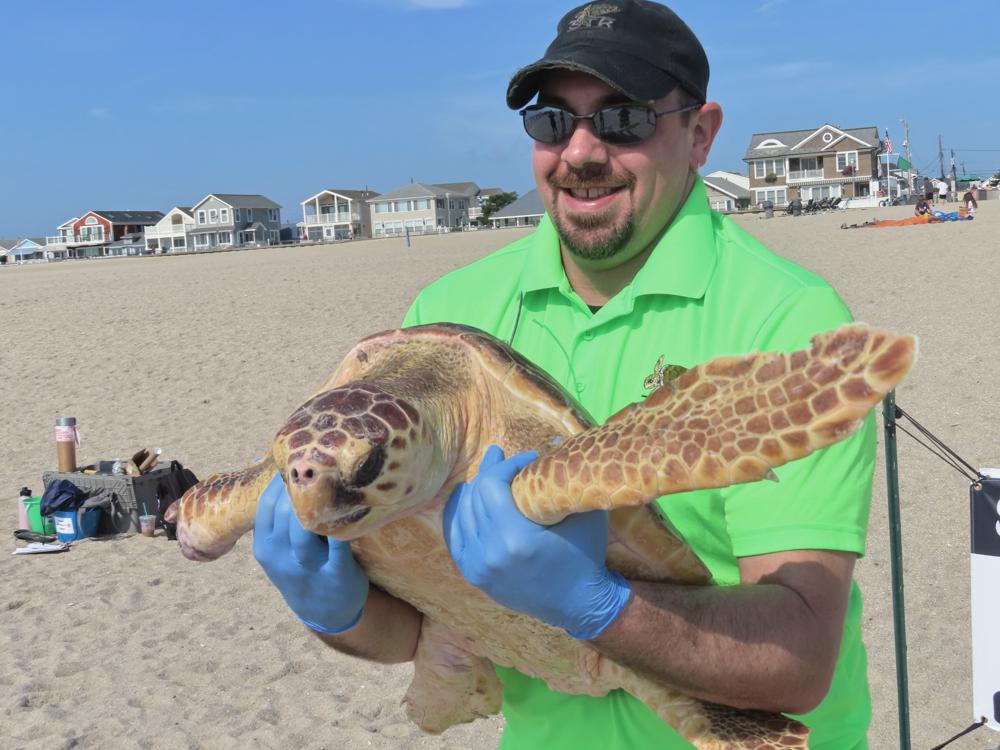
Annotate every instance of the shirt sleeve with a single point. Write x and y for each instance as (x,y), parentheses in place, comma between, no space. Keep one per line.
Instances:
(821,501)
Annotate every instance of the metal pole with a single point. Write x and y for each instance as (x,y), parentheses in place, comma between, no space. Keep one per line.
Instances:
(896,548)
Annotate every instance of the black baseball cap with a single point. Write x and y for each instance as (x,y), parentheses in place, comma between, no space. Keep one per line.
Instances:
(641,48)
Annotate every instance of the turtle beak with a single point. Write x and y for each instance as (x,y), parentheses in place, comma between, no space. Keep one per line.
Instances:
(321,501)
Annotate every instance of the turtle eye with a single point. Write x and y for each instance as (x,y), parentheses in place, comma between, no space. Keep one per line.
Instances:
(369,470)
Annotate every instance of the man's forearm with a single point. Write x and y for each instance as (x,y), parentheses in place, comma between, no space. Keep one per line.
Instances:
(387,632)
(758,646)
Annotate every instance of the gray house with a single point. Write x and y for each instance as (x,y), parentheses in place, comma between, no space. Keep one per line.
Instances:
(421,208)
(233,220)
(526,211)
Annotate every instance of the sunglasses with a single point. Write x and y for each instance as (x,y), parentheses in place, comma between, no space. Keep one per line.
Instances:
(619,124)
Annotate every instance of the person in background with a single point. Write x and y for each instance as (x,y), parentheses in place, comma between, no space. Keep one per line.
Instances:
(630,268)
(969,202)
(943,191)
(922,207)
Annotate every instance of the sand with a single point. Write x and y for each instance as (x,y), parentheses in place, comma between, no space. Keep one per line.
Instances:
(121,642)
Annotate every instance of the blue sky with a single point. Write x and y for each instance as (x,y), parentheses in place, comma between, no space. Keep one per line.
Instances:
(148,105)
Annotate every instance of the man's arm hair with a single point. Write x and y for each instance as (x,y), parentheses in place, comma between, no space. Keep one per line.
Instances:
(387,632)
(769,643)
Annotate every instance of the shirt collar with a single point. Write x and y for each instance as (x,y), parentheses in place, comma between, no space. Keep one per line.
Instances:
(681,264)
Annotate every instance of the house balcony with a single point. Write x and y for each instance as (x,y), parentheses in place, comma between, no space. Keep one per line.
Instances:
(804,175)
(176,230)
(66,241)
(312,220)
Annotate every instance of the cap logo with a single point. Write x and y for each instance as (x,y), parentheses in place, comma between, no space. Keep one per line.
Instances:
(595,14)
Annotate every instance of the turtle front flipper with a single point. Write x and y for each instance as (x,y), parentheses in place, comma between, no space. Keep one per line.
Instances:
(725,422)
(213,514)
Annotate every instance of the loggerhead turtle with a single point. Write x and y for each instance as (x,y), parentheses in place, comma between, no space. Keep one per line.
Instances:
(373,455)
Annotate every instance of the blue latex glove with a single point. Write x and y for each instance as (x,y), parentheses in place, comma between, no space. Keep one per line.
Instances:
(318,576)
(553,573)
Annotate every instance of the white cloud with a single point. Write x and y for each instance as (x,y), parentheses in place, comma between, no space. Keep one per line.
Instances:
(769,5)
(795,68)
(99,113)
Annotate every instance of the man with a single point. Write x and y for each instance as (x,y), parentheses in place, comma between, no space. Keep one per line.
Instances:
(943,190)
(630,265)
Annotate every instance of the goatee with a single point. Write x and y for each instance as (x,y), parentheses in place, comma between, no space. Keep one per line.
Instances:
(590,237)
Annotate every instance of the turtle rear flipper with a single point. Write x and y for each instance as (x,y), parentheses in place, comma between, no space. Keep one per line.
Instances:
(214,514)
(725,422)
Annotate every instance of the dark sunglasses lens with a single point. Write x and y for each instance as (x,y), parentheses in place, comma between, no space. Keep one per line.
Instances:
(547,124)
(625,124)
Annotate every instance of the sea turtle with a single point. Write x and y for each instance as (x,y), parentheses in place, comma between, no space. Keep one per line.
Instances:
(372,457)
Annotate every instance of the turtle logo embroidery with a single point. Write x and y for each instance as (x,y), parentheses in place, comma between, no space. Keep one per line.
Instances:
(595,14)
(662,374)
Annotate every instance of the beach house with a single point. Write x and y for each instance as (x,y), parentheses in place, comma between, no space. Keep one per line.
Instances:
(727,191)
(234,220)
(824,162)
(476,209)
(98,234)
(26,250)
(526,211)
(171,234)
(420,208)
(336,214)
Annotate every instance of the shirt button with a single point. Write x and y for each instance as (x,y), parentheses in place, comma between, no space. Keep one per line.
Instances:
(588,335)
(581,387)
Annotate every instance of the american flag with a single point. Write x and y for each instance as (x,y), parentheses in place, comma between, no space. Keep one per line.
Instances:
(888,142)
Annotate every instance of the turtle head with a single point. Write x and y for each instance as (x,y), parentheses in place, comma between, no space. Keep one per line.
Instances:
(356,458)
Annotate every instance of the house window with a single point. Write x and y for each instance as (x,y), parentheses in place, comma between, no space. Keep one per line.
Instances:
(201,240)
(272,214)
(223,215)
(381,208)
(249,214)
(201,217)
(273,236)
(225,238)
(440,203)
(764,167)
(776,196)
(213,216)
(179,242)
(847,159)
(236,215)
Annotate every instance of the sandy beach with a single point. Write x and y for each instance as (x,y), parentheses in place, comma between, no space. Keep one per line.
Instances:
(122,643)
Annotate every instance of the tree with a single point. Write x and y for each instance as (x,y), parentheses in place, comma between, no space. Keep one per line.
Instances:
(495,202)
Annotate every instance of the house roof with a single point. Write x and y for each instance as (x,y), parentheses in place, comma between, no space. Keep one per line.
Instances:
(131,217)
(785,141)
(411,190)
(7,244)
(354,195)
(487,192)
(466,188)
(529,204)
(239,200)
(726,186)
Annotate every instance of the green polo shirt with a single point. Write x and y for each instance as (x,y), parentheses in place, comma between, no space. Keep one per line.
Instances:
(708,289)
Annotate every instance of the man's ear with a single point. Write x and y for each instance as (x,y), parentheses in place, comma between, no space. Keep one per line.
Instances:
(707,122)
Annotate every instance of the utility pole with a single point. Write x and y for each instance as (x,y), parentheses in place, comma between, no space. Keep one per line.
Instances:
(941,156)
(909,155)
(954,175)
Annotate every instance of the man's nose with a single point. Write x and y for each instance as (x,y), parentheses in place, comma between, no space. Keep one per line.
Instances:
(584,147)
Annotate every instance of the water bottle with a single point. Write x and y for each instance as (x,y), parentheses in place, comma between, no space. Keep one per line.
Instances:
(22,509)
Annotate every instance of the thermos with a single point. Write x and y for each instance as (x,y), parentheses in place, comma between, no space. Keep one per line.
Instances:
(67,438)
(22,509)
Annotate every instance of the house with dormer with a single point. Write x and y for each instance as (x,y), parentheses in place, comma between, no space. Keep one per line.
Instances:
(234,220)
(823,162)
(99,234)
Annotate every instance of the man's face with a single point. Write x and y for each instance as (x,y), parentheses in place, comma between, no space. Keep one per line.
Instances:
(610,202)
